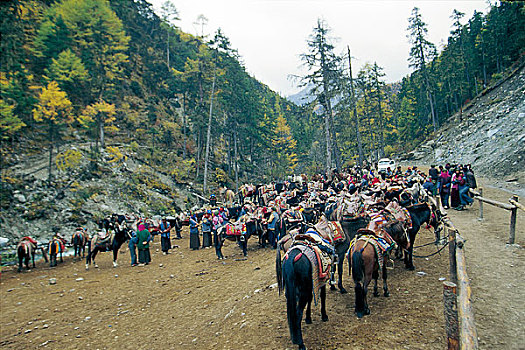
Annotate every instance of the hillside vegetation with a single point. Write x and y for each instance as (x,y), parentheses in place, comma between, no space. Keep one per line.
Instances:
(107,106)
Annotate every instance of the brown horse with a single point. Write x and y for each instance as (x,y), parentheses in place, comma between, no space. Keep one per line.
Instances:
(25,250)
(79,240)
(364,266)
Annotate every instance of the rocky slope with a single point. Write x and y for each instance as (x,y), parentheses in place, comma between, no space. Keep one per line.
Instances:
(78,197)
(489,134)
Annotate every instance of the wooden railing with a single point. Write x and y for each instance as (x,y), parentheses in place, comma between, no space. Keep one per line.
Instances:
(459,318)
(512,207)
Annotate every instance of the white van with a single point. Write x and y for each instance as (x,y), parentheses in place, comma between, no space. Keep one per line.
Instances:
(385,163)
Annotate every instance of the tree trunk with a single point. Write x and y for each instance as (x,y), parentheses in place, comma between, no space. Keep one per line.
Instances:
(101,130)
(198,152)
(185,136)
(380,110)
(328,145)
(356,115)
(208,137)
(235,160)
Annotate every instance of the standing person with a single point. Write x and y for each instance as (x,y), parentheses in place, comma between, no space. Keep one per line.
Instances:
(217,239)
(464,197)
(213,200)
(164,229)
(272,225)
(434,175)
(194,233)
(143,239)
(132,245)
(178,225)
(470,178)
(444,188)
(206,230)
(454,190)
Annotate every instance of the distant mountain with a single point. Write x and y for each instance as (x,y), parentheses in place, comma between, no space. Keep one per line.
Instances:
(303,97)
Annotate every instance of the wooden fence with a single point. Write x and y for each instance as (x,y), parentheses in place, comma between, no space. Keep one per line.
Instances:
(512,207)
(459,318)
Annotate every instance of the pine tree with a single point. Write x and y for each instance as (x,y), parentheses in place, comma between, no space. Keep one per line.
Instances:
(324,76)
(422,52)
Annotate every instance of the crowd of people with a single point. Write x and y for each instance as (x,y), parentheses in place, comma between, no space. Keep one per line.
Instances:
(268,204)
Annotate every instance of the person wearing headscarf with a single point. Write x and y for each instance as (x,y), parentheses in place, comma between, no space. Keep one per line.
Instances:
(164,229)
(194,233)
(143,239)
(217,222)
(272,227)
(454,191)
(206,229)
(444,188)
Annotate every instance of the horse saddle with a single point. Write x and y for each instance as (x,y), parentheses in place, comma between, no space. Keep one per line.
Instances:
(103,242)
(399,213)
(380,245)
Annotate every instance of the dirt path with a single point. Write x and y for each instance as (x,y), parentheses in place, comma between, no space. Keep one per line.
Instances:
(496,271)
(195,301)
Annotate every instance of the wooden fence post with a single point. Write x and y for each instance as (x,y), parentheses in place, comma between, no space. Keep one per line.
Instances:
(451,315)
(513,213)
(453,274)
(480,204)
(468,332)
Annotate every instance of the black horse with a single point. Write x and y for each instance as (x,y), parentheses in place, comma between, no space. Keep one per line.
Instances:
(294,275)
(112,243)
(420,214)
(253,228)
(350,227)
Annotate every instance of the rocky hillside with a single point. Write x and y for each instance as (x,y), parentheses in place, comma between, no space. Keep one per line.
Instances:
(78,197)
(490,134)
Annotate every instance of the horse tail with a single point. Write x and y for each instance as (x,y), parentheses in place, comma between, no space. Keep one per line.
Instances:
(292,297)
(357,266)
(279,269)
(358,276)
(44,254)
(21,253)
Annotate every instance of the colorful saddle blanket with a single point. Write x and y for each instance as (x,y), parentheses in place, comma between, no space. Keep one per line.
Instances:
(381,247)
(400,213)
(321,264)
(235,230)
(330,230)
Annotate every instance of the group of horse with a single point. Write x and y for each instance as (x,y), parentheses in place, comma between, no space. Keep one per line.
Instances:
(116,230)
(372,223)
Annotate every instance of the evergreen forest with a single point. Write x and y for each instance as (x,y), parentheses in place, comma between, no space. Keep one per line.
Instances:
(91,82)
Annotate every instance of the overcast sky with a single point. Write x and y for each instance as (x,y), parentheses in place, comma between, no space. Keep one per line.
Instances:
(271,34)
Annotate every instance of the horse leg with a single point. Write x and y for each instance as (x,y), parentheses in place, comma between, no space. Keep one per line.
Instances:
(61,260)
(115,254)
(33,258)
(88,259)
(365,292)
(409,265)
(386,293)
(375,277)
(95,252)
(340,272)
(20,262)
(244,246)
(324,316)
(308,317)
